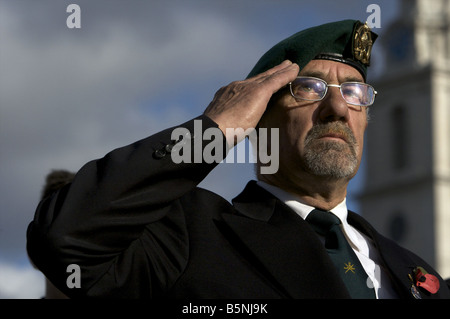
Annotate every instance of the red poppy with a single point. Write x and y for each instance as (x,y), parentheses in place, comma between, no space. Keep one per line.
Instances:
(426,281)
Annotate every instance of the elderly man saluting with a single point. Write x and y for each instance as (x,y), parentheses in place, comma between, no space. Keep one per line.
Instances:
(139,227)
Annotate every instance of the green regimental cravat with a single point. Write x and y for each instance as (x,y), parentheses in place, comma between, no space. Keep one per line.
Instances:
(342,255)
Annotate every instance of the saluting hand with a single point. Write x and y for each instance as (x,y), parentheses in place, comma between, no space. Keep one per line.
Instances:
(241,104)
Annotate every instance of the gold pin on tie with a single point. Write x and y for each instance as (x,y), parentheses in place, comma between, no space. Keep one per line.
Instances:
(349,267)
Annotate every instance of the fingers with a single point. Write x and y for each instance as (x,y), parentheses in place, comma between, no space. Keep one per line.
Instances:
(279,76)
(286,65)
(242,103)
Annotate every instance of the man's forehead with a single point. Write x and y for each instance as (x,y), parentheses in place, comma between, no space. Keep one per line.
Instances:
(325,69)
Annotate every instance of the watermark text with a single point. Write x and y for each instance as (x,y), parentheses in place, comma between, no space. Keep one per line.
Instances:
(208,146)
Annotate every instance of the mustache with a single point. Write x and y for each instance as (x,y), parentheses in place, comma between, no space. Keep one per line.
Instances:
(336,129)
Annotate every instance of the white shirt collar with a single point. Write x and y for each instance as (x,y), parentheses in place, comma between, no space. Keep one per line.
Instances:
(302,209)
(360,243)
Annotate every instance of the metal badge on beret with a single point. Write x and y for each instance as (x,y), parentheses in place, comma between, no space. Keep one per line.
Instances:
(362,43)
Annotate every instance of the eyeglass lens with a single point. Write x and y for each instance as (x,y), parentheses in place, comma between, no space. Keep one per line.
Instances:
(314,89)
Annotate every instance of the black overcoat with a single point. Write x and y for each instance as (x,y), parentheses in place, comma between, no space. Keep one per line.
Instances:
(138,226)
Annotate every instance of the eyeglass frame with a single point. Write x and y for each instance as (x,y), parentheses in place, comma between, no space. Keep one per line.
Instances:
(336,86)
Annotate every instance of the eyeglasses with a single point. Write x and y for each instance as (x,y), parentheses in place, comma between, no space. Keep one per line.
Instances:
(315,89)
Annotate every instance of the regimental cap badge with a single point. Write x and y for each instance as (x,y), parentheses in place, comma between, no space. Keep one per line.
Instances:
(362,43)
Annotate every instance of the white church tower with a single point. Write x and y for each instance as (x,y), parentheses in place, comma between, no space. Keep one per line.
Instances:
(407,187)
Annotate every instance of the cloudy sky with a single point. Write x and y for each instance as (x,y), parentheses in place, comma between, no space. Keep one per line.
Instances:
(133,68)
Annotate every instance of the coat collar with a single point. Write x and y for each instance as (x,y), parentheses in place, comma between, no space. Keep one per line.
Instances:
(396,260)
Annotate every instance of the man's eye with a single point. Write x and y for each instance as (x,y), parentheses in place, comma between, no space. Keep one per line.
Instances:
(306,88)
(352,93)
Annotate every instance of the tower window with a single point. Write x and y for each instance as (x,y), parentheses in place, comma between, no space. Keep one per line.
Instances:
(399,138)
(398,226)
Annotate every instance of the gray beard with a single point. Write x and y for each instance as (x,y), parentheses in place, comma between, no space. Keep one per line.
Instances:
(330,159)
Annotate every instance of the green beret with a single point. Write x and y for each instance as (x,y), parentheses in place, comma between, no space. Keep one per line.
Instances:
(347,41)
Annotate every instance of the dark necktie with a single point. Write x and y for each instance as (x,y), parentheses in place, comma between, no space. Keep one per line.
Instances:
(342,255)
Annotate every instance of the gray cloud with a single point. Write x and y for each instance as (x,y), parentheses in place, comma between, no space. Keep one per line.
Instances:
(69,96)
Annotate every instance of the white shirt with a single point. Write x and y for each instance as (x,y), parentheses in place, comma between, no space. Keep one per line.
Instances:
(361,244)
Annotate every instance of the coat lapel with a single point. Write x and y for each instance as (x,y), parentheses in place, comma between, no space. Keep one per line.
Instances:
(398,270)
(397,261)
(283,246)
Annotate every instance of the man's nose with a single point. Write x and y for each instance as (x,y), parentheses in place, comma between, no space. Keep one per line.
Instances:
(333,107)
